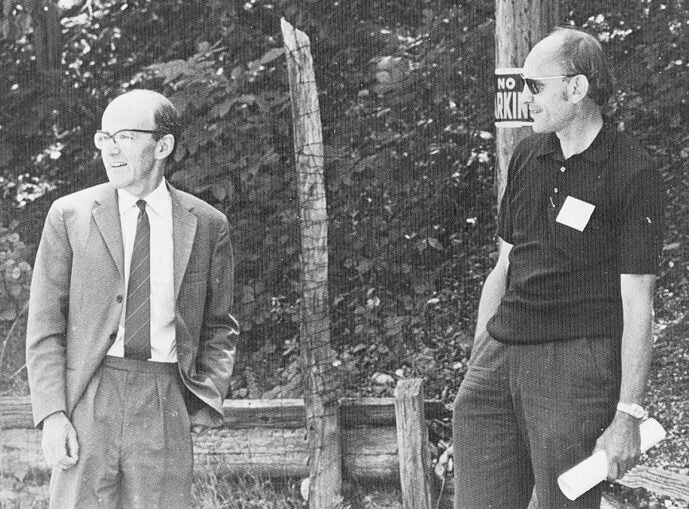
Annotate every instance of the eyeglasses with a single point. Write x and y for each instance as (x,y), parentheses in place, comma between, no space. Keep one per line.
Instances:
(121,137)
(534,85)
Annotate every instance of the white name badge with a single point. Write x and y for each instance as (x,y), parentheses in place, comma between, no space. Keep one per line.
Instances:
(575,213)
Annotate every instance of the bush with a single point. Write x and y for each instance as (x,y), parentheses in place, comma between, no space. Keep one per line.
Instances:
(15,280)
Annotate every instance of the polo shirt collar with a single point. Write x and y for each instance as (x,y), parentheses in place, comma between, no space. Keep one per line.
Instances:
(598,152)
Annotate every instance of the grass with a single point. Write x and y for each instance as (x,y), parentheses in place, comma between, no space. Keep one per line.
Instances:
(245,492)
(218,492)
(209,492)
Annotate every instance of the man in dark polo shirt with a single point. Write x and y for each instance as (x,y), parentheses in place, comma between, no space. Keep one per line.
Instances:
(564,333)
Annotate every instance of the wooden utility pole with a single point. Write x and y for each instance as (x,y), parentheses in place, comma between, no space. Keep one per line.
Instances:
(519,25)
(322,385)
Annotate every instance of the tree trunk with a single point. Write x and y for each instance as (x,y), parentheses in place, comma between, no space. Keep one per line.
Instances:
(47,35)
(322,387)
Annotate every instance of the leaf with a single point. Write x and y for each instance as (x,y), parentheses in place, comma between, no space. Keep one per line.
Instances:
(383,77)
(171,70)
(394,325)
(271,55)
(358,348)
(6,152)
(382,379)
(435,243)
(5,29)
(9,313)
(16,290)
(364,266)
(373,303)
(222,109)
(219,193)
(247,294)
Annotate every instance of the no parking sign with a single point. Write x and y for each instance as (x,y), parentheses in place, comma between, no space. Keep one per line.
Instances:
(509,110)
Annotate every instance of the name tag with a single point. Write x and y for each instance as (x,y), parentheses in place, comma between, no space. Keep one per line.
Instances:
(575,213)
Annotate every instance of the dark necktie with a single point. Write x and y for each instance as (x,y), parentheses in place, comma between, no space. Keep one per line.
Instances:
(137,318)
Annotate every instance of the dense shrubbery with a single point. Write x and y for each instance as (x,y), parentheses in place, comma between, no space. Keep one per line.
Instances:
(15,279)
(406,91)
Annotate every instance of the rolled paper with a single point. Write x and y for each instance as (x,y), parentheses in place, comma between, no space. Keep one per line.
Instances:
(651,433)
(585,475)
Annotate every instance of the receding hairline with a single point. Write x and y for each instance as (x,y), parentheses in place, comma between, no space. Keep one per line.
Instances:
(566,37)
(156,99)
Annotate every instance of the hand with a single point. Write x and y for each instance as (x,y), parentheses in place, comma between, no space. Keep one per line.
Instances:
(621,443)
(60,446)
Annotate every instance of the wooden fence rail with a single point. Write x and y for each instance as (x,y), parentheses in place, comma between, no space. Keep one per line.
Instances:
(268,437)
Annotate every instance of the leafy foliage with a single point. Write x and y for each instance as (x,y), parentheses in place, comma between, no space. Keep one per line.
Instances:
(406,104)
(15,280)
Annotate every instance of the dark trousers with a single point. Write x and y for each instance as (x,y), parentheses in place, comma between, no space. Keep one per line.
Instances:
(526,413)
(135,449)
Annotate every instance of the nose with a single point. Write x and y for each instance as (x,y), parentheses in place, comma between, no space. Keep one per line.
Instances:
(107,146)
(526,96)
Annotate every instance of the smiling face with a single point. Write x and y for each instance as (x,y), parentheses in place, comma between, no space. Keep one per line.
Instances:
(136,165)
(555,106)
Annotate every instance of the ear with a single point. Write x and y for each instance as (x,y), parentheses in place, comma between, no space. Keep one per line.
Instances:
(578,88)
(164,146)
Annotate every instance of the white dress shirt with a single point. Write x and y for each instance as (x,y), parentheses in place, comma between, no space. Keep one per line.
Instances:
(159,210)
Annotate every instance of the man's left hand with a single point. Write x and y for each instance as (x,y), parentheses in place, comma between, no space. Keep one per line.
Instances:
(621,443)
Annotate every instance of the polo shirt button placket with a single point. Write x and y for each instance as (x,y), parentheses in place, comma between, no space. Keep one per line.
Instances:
(556,190)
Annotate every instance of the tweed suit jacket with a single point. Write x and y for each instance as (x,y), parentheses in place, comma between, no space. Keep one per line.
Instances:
(77,295)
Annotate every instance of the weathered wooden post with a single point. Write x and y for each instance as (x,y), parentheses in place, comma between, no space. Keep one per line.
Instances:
(412,442)
(322,387)
(519,25)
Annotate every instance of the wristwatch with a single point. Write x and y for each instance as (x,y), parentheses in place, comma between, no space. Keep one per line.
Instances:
(636,411)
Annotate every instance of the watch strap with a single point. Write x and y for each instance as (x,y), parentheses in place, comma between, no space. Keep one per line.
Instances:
(636,411)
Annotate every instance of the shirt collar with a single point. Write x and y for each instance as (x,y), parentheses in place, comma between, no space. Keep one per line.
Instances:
(157,200)
(600,149)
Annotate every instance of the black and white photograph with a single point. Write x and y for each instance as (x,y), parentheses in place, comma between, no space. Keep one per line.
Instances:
(344,254)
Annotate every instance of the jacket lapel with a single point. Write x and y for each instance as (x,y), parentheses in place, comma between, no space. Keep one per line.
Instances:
(106,215)
(183,233)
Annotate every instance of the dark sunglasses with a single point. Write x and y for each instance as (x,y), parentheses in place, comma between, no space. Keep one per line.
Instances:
(536,87)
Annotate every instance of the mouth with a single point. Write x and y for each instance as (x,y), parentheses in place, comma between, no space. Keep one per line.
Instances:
(117,165)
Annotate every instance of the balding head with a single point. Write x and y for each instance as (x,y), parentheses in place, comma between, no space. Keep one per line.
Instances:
(137,140)
(574,51)
(149,108)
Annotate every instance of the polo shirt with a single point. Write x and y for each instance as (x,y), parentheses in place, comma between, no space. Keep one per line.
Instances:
(575,224)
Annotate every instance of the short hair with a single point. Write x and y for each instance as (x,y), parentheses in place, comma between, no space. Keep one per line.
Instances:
(167,121)
(581,53)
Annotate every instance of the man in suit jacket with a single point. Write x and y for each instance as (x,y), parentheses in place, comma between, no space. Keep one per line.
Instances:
(115,388)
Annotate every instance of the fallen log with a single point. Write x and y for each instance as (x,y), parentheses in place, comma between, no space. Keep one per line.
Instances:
(368,453)
(657,480)
(15,413)
(266,437)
